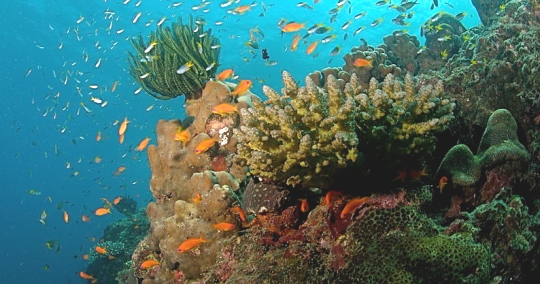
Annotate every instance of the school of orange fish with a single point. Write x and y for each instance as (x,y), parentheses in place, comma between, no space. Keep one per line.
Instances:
(94,97)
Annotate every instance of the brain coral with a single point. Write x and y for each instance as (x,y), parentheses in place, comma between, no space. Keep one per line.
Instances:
(499,143)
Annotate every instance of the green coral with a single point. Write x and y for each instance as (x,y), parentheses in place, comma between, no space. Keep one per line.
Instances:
(397,122)
(113,249)
(499,144)
(301,137)
(401,245)
(173,47)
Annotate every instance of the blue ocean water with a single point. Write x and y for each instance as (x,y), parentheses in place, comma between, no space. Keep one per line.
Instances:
(50,54)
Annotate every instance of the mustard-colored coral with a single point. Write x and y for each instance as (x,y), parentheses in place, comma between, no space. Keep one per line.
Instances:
(396,119)
(300,137)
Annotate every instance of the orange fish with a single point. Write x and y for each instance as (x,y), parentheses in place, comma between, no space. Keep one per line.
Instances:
(123,127)
(120,170)
(223,226)
(182,135)
(85,218)
(304,205)
(352,205)
(240,212)
(85,256)
(442,183)
(295,41)
(311,47)
(121,139)
(98,136)
(402,174)
(87,276)
(225,74)
(103,211)
(66,217)
(149,264)
(117,200)
(143,144)
(205,145)
(112,257)
(191,243)
(292,27)
(241,88)
(196,199)
(241,9)
(417,175)
(330,195)
(225,108)
(101,250)
(361,62)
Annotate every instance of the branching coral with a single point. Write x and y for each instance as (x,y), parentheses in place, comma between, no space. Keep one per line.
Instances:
(301,137)
(155,63)
(499,144)
(396,119)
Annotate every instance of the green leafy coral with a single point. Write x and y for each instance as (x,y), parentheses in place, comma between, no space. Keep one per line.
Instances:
(301,137)
(499,144)
(155,68)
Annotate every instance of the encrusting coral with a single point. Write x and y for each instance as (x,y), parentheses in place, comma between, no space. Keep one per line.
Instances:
(301,137)
(156,64)
(499,144)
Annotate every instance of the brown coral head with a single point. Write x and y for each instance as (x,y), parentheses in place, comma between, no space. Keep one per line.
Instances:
(262,197)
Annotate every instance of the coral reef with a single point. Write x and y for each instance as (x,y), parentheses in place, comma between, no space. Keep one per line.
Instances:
(397,122)
(126,206)
(495,65)
(120,240)
(300,138)
(499,144)
(507,228)
(177,60)
(190,197)
(304,136)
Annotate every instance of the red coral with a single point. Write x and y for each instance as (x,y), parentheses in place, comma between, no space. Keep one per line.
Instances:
(493,185)
(219,163)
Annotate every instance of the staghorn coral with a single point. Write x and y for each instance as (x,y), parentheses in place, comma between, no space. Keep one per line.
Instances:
(397,122)
(301,137)
(499,144)
(173,47)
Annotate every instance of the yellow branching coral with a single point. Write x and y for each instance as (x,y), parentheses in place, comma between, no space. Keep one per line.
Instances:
(300,137)
(177,60)
(396,119)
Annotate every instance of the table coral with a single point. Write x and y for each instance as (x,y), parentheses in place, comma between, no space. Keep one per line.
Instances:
(301,137)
